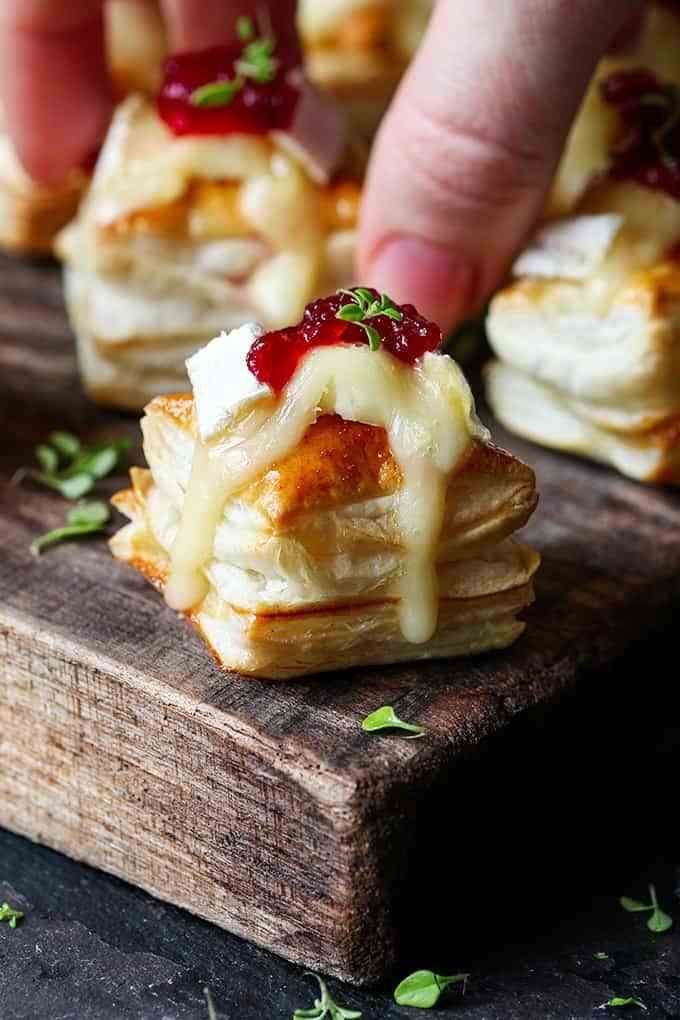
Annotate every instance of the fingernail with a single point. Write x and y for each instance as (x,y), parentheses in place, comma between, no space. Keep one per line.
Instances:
(433,278)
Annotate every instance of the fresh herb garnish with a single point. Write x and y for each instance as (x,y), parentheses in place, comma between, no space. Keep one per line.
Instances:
(423,988)
(659,921)
(325,1007)
(365,306)
(385,719)
(216,93)
(10,915)
(245,29)
(212,1011)
(619,1000)
(257,62)
(600,956)
(71,468)
(83,519)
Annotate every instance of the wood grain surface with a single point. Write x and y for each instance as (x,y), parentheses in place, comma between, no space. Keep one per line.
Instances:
(263,807)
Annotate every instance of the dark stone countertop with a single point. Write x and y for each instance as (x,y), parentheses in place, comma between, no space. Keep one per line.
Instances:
(570,808)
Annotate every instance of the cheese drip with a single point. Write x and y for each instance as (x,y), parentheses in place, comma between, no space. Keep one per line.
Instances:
(428,414)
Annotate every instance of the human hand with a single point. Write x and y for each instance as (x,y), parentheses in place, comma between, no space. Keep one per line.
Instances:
(466,153)
(54,86)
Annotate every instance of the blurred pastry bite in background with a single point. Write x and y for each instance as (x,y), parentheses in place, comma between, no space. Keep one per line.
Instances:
(588,335)
(358,49)
(233,197)
(31,214)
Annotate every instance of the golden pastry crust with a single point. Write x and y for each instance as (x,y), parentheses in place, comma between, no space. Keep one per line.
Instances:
(307,559)
(281,645)
(340,462)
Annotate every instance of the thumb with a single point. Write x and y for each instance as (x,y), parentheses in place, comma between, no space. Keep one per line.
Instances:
(466,153)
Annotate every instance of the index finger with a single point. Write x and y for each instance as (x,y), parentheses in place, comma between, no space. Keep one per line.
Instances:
(54,85)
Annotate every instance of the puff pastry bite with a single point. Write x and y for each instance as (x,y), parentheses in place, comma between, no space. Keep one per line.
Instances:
(358,50)
(216,205)
(31,214)
(588,335)
(329,498)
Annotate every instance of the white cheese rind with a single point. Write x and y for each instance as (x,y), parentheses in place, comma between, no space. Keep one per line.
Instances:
(571,249)
(223,384)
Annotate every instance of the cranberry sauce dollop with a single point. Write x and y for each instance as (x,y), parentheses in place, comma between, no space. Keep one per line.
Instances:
(274,357)
(255,109)
(649,151)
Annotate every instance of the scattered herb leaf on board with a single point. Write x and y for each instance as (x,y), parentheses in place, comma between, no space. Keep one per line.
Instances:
(385,718)
(212,1011)
(72,469)
(622,1001)
(325,1007)
(423,988)
(10,915)
(659,921)
(83,519)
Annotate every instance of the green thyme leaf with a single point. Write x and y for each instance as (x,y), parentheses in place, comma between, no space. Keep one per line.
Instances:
(350,313)
(619,1000)
(325,1007)
(660,921)
(66,443)
(100,463)
(216,93)
(47,457)
(423,988)
(245,29)
(72,469)
(76,486)
(84,519)
(373,337)
(634,906)
(363,294)
(258,62)
(10,915)
(385,719)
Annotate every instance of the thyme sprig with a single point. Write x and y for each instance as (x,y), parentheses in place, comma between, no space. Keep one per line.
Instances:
(83,519)
(365,306)
(257,62)
(10,915)
(658,921)
(70,468)
(325,1007)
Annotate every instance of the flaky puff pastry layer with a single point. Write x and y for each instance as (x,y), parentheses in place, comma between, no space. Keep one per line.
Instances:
(307,560)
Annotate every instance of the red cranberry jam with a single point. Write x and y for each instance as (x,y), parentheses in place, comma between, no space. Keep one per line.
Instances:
(254,108)
(649,151)
(274,357)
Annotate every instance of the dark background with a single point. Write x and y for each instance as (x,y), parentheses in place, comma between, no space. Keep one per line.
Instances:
(562,813)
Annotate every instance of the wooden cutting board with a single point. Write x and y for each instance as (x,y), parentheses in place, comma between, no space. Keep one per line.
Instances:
(259,806)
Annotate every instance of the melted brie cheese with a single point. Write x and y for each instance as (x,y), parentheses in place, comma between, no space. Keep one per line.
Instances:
(428,413)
